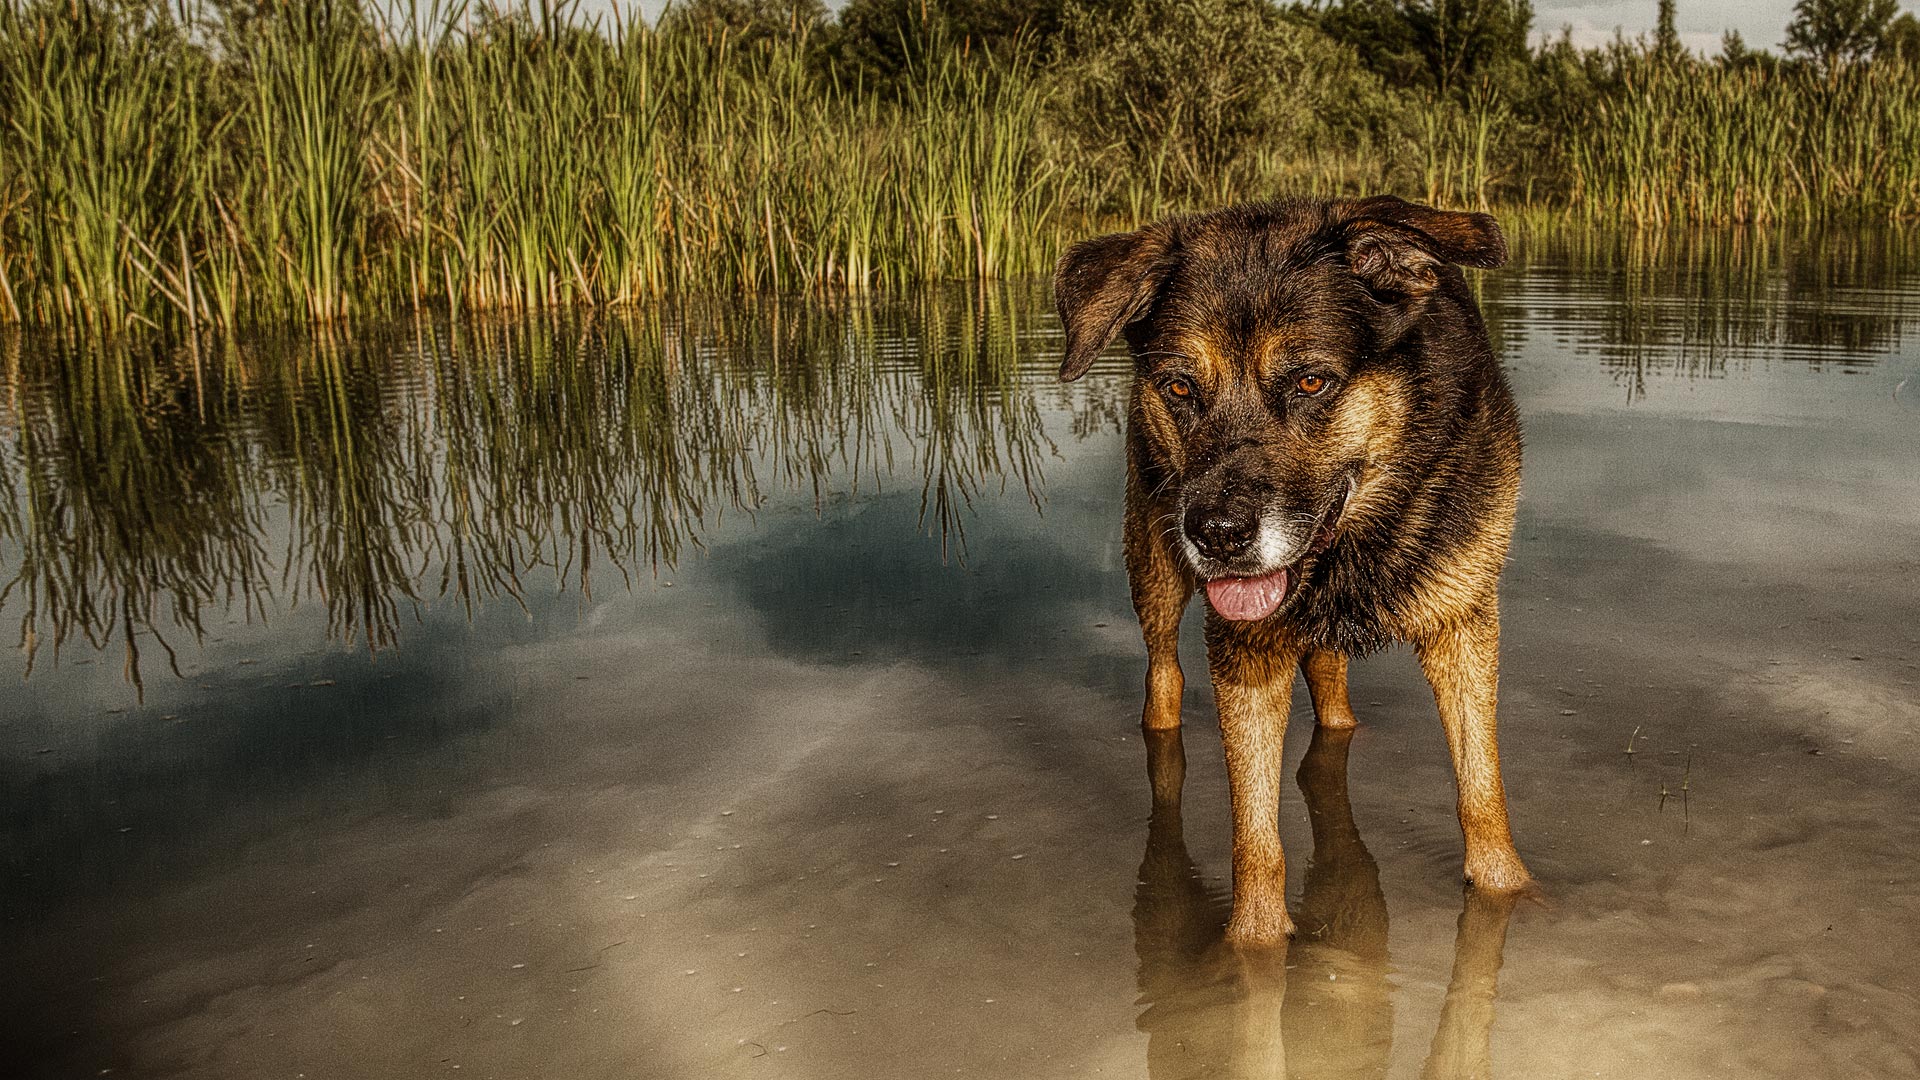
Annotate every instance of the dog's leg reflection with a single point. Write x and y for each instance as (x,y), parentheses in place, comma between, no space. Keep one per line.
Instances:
(1207,1010)
(1339,1019)
(1175,915)
(1462,1044)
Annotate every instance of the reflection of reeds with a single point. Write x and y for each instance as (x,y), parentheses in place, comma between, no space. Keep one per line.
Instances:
(967,368)
(1690,301)
(127,510)
(370,472)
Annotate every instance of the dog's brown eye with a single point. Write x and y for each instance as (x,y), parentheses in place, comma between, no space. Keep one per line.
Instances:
(1311,384)
(1179,388)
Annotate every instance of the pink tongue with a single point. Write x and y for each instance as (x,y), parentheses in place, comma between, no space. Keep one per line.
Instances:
(1241,598)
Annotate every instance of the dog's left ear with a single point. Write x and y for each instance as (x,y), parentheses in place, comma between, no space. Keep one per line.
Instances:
(1103,284)
(1398,247)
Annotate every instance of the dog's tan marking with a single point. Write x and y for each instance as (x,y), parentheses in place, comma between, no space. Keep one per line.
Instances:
(1157,424)
(1368,417)
(1456,586)
(1369,424)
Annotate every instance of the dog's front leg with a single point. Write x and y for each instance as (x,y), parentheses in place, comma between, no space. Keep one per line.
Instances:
(1463,664)
(1161,586)
(1252,682)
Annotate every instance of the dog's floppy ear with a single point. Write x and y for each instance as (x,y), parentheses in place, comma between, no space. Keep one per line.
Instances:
(1103,284)
(1397,247)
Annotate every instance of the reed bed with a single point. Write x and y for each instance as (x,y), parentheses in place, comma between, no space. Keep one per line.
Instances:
(209,163)
(1689,142)
(323,158)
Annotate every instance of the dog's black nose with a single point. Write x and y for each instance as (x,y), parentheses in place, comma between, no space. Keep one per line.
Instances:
(1221,533)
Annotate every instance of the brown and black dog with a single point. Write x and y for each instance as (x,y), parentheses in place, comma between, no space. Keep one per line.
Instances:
(1319,435)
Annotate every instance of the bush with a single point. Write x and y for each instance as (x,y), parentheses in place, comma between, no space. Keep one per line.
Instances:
(1207,100)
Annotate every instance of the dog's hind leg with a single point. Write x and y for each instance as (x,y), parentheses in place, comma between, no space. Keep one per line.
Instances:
(1161,587)
(1463,664)
(1326,674)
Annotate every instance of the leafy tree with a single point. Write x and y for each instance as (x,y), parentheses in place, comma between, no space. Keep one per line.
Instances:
(1190,93)
(1736,54)
(1666,39)
(880,41)
(1902,39)
(1733,49)
(1442,44)
(750,20)
(1834,32)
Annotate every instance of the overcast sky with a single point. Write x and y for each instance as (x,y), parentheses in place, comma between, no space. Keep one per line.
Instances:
(1700,22)
(1762,22)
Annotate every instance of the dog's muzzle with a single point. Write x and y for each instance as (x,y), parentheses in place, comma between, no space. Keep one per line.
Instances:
(1251,557)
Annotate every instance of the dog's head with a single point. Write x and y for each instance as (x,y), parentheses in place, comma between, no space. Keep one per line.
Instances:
(1266,347)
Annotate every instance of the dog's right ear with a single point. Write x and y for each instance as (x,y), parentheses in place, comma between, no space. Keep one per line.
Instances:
(1103,284)
(1398,247)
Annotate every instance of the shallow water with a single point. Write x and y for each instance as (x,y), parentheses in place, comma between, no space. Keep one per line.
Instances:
(750,689)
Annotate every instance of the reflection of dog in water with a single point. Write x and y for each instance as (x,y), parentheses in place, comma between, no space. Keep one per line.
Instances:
(1323,1007)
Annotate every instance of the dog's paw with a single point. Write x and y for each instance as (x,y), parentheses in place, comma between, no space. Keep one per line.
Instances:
(1337,718)
(1501,872)
(1256,926)
(1159,716)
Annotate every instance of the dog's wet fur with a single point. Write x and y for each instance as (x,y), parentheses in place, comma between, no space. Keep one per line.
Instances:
(1318,428)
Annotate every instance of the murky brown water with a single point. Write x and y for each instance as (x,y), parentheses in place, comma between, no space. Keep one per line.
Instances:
(753,692)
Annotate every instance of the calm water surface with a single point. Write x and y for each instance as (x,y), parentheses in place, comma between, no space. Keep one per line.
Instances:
(750,689)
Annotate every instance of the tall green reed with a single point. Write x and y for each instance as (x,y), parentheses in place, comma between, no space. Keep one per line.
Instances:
(327,158)
(107,148)
(1704,143)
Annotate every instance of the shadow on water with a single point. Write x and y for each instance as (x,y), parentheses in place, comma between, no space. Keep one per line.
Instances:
(1322,1005)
